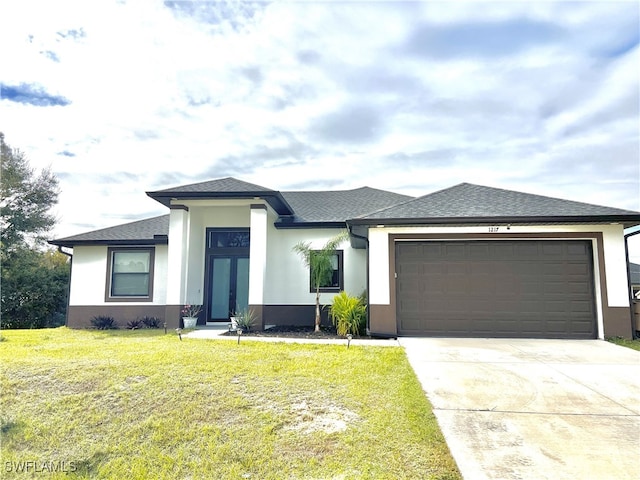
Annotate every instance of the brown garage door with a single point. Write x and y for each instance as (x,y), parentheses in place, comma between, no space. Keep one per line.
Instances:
(530,289)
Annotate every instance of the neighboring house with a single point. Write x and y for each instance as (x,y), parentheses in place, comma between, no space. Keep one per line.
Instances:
(465,261)
(634,274)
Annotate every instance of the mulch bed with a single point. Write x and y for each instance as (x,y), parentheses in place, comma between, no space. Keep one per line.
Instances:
(295,332)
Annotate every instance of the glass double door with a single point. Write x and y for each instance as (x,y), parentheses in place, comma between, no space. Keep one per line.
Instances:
(228,289)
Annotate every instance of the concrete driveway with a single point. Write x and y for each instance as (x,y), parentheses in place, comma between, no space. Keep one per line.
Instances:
(534,409)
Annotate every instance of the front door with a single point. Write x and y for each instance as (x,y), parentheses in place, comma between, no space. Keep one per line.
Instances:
(229,287)
(227,273)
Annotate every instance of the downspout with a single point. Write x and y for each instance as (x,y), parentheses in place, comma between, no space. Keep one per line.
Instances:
(366,241)
(70,255)
(629,290)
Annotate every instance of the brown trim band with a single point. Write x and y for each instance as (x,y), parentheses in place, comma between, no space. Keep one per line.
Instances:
(79,316)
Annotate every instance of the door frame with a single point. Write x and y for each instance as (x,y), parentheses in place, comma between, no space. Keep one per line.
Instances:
(213,251)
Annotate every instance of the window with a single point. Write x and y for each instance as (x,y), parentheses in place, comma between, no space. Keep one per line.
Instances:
(219,238)
(130,274)
(335,281)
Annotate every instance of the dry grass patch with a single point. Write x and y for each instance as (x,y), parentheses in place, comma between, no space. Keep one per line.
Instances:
(141,404)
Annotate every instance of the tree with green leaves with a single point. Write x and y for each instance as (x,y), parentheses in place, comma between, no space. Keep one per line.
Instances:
(34,280)
(26,199)
(320,265)
(34,288)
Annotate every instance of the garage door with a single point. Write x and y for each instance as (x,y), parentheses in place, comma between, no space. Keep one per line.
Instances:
(530,289)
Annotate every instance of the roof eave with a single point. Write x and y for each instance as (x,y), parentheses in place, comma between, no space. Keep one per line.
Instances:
(274,199)
(293,225)
(157,240)
(625,220)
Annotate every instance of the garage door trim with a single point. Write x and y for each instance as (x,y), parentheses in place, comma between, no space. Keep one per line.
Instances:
(598,280)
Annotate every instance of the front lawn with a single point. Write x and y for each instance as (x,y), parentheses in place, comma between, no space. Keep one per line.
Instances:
(142,404)
(634,344)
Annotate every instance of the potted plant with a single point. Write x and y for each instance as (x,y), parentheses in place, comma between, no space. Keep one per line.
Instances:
(233,318)
(190,315)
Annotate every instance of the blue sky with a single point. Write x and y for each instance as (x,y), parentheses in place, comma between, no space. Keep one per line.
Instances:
(122,97)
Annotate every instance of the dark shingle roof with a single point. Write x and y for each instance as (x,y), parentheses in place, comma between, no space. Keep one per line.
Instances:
(143,232)
(338,205)
(311,208)
(223,188)
(220,185)
(467,202)
(464,203)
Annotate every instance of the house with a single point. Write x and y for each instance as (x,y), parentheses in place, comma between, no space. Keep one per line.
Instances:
(464,261)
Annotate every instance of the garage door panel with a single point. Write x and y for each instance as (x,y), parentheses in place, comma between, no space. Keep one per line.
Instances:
(453,251)
(479,251)
(578,287)
(500,249)
(552,249)
(527,250)
(496,288)
(581,249)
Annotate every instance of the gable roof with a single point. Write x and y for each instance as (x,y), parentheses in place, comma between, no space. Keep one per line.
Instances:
(462,204)
(469,203)
(149,231)
(302,209)
(224,188)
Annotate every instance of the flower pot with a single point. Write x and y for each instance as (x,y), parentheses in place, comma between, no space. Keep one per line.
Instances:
(190,322)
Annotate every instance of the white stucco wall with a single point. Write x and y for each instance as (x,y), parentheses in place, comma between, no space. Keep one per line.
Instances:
(177,255)
(89,274)
(160,275)
(205,214)
(287,278)
(615,266)
(89,277)
(613,248)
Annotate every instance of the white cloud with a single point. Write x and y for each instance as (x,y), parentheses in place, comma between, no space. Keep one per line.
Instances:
(411,96)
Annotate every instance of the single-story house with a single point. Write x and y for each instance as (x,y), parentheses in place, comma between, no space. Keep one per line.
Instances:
(468,260)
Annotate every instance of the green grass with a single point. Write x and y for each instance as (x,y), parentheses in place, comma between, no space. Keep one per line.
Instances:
(141,404)
(623,342)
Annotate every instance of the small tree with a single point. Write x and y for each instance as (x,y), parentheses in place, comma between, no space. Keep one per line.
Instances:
(320,265)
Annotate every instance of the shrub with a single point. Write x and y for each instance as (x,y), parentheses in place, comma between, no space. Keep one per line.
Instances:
(133,324)
(150,322)
(245,319)
(348,314)
(104,322)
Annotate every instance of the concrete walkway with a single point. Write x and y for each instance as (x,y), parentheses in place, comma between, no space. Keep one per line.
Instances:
(217,333)
(534,409)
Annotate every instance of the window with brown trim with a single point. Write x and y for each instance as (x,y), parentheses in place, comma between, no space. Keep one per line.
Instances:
(129,274)
(336,282)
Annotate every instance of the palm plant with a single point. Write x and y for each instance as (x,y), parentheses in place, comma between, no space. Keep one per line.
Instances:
(320,265)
